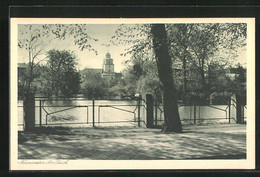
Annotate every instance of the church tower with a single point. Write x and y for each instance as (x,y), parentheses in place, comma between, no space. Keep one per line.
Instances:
(108,67)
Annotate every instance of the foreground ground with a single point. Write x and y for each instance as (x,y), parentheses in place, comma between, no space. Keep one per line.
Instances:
(197,142)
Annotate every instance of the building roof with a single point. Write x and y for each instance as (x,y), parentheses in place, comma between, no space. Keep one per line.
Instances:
(108,55)
(94,70)
(22,65)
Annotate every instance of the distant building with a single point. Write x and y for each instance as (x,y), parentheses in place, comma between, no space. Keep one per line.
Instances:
(107,72)
(108,67)
(22,67)
(94,70)
(233,73)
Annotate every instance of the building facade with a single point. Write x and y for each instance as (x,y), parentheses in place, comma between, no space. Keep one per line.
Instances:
(107,71)
(108,68)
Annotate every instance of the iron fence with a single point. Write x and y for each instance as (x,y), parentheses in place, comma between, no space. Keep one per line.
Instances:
(198,113)
(46,109)
(48,112)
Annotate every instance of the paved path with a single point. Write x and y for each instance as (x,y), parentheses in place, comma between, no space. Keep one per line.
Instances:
(197,142)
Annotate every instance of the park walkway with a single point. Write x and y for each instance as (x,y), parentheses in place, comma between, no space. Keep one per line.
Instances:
(197,142)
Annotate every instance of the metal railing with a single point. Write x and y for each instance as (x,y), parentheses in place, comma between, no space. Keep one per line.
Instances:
(195,113)
(44,111)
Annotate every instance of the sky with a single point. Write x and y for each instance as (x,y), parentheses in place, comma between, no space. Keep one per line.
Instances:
(86,58)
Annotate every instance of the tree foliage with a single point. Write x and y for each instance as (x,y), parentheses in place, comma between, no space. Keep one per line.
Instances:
(64,78)
(34,40)
(197,48)
(194,49)
(93,86)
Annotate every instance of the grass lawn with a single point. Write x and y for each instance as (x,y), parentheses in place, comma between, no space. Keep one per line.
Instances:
(197,142)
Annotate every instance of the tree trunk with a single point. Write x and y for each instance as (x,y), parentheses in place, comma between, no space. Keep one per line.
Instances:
(210,80)
(204,86)
(29,112)
(184,76)
(203,81)
(30,79)
(164,65)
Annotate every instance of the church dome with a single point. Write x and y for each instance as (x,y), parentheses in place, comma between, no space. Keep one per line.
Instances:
(108,55)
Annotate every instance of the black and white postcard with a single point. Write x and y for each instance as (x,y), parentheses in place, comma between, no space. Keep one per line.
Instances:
(132,93)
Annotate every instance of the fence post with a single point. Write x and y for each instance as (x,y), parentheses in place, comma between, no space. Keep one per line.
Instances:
(87,115)
(149,113)
(242,116)
(93,121)
(199,112)
(190,113)
(29,112)
(229,110)
(46,122)
(156,107)
(194,114)
(98,114)
(40,113)
(139,104)
(238,106)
